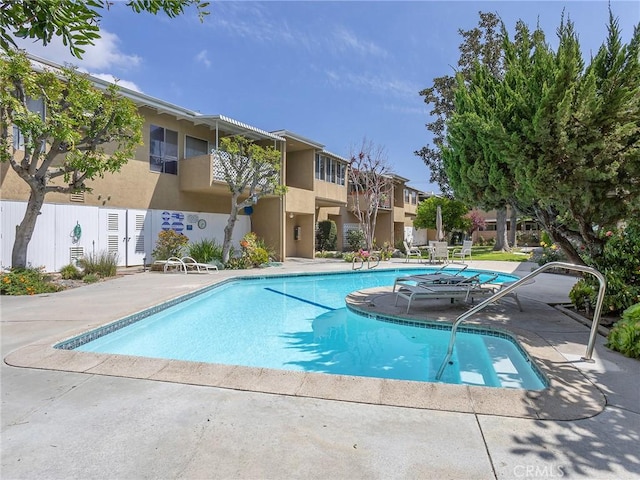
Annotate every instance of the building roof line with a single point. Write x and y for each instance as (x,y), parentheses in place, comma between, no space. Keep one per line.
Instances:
(162,106)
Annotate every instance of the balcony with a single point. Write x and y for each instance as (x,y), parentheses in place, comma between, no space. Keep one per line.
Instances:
(204,174)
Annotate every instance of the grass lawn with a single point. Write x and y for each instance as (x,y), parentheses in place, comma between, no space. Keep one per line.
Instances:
(487,253)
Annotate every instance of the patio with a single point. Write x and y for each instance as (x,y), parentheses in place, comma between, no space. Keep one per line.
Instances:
(169,423)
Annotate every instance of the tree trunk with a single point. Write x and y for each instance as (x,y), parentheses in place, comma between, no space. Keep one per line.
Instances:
(24,231)
(567,248)
(502,244)
(513,230)
(228,230)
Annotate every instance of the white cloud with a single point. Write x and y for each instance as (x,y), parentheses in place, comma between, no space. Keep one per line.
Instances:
(373,83)
(203,57)
(347,40)
(105,54)
(121,83)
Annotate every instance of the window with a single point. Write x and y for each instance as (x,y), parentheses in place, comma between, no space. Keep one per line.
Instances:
(194,147)
(406,195)
(163,150)
(35,106)
(414,198)
(330,170)
(320,167)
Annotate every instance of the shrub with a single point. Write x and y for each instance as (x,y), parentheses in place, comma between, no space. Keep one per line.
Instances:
(254,252)
(620,264)
(70,272)
(326,235)
(90,278)
(28,281)
(355,240)
(237,263)
(258,256)
(550,253)
(103,264)
(582,294)
(385,251)
(349,256)
(169,244)
(400,246)
(205,251)
(624,337)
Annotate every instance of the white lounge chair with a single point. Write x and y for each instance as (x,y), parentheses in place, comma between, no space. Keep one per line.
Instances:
(412,252)
(192,265)
(172,264)
(464,251)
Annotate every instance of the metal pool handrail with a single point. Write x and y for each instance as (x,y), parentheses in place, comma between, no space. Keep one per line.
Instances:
(502,292)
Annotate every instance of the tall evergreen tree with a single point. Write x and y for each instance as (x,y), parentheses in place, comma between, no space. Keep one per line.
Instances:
(565,138)
(483,45)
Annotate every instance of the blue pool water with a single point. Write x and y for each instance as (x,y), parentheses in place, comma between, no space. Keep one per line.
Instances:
(301,323)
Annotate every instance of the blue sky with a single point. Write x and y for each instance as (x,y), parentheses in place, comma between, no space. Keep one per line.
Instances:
(334,72)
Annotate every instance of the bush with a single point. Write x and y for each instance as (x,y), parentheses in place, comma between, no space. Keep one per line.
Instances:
(237,263)
(620,264)
(90,278)
(326,235)
(385,251)
(70,272)
(169,244)
(624,337)
(254,253)
(103,264)
(583,294)
(205,251)
(355,240)
(550,253)
(28,281)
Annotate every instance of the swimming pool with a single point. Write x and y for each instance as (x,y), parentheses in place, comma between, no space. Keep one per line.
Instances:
(301,323)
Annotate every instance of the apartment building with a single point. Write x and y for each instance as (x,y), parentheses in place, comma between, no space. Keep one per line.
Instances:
(174,181)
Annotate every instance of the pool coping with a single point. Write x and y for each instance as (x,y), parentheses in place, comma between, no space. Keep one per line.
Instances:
(570,394)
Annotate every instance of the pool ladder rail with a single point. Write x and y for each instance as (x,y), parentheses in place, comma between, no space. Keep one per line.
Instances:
(373,257)
(526,279)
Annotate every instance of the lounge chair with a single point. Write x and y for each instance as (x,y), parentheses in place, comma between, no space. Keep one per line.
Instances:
(193,266)
(172,264)
(443,275)
(466,289)
(464,251)
(412,252)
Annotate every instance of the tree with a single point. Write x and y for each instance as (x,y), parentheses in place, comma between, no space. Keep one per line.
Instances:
(566,137)
(252,172)
(477,222)
(369,177)
(482,45)
(454,214)
(64,142)
(77,22)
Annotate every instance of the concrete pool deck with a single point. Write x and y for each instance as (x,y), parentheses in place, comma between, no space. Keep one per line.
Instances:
(69,414)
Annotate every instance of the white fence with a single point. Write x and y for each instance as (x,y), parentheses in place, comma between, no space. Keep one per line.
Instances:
(130,233)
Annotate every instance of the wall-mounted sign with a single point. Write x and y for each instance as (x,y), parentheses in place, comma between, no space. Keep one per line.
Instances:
(202,223)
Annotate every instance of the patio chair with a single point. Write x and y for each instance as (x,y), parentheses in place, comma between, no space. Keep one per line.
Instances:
(412,252)
(193,266)
(440,252)
(464,251)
